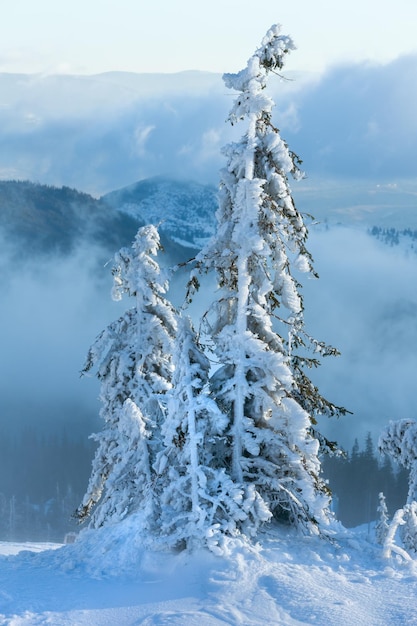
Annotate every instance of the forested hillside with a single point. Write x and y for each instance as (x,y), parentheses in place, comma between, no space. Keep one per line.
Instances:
(42,219)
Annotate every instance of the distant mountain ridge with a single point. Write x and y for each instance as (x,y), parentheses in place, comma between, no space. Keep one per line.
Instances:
(41,219)
(184,210)
(44,219)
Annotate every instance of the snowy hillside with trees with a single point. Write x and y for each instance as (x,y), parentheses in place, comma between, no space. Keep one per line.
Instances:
(183,211)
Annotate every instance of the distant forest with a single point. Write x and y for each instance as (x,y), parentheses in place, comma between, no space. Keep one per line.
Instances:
(43,480)
(357,479)
(392,236)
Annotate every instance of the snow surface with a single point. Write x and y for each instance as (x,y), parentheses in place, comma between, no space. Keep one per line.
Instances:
(106,578)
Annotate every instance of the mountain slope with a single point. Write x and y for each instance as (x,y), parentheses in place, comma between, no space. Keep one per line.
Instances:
(40,218)
(185,210)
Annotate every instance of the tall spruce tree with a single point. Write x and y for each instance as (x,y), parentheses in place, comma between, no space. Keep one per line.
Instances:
(203,457)
(256,325)
(132,358)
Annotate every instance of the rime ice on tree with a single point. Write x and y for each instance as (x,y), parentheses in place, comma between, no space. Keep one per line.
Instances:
(199,501)
(199,457)
(382,525)
(399,441)
(256,324)
(132,358)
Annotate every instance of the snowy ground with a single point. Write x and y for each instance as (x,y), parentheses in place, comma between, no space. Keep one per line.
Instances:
(106,579)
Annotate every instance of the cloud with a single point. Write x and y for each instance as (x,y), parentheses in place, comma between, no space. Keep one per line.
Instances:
(101,134)
(358,121)
(104,132)
(51,311)
(365,304)
(141,136)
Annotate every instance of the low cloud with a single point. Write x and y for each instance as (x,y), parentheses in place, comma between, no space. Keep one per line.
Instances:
(358,121)
(51,311)
(102,132)
(365,304)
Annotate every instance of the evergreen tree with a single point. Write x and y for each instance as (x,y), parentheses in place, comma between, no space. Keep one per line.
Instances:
(256,325)
(355,450)
(382,525)
(132,358)
(399,441)
(197,457)
(408,531)
(200,502)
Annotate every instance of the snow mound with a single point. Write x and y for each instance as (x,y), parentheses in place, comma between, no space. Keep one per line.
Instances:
(109,577)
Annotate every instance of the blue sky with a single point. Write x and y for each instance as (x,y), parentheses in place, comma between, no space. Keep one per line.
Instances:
(94,36)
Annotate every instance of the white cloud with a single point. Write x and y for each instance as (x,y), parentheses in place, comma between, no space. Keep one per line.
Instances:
(359,121)
(50,315)
(364,303)
(141,135)
(103,132)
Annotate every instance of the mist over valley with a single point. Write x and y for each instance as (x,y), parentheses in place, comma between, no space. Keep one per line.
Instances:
(116,151)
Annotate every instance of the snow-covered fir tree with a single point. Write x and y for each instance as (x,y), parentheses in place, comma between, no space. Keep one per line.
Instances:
(256,324)
(195,456)
(382,524)
(199,502)
(399,441)
(408,531)
(132,358)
